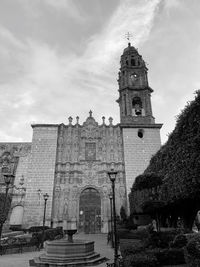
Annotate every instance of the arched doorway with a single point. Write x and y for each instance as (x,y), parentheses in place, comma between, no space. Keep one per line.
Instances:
(90,211)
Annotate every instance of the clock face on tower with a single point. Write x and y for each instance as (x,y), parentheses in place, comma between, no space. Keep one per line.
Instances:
(134,77)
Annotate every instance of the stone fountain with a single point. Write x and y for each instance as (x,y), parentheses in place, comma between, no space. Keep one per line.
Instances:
(68,252)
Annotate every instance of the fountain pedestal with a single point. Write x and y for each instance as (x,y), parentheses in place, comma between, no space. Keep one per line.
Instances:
(70,234)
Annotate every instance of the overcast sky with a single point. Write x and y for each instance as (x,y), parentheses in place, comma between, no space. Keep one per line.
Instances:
(60,58)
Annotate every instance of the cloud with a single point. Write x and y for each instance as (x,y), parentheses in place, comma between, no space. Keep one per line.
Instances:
(49,86)
(7,37)
(169,4)
(104,47)
(68,7)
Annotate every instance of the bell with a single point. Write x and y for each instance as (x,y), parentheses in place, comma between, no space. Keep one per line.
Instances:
(138,112)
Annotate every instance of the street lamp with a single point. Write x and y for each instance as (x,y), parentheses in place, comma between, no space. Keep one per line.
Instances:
(8,178)
(46,196)
(112,175)
(111,218)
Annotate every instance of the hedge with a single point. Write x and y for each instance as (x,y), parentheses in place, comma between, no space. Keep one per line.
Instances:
(176,165)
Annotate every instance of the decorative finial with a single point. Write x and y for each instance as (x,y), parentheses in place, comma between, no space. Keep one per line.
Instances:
(110,120)
(77,119)
(128,36)
(90,112)
(70,120)
(103,119)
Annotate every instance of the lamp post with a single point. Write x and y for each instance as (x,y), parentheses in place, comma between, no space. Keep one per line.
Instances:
(46,196)
(111,218)
(8,178)
(112,175)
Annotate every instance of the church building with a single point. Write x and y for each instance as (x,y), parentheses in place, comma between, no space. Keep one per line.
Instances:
(70,162)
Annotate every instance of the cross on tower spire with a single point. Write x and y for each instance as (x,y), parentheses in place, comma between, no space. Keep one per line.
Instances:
(90,112)
(128,35)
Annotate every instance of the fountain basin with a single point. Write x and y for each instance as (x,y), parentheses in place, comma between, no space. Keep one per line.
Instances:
(64,248)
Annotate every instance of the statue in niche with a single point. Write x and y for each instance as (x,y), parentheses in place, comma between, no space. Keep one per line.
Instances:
(105,191)
(65,210)
(74,192)
(66,193)
(61,206)
(74,208)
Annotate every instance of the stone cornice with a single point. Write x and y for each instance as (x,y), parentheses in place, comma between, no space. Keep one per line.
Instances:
(44,125)
(130,125)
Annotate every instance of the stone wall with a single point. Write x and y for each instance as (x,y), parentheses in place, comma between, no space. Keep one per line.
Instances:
(40,176)
(138,151)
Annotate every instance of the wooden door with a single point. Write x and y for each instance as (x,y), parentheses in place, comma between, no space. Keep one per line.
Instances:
(90,211)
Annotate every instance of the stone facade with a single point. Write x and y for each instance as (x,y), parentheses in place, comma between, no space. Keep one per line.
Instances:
(71,161)
(85,154)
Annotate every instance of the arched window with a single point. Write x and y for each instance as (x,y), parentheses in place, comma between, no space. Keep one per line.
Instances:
(132,62)
(137,106)
(140,133)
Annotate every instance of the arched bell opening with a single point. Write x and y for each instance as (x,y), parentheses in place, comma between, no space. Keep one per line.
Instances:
(90,211)
(137,109)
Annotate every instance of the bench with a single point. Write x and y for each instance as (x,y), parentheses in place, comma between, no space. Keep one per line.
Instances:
(15,244)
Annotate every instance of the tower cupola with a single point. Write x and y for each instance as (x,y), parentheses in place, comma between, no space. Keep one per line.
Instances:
(134,91)
(133,70)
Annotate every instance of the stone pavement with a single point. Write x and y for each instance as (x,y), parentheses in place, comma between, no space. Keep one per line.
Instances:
(22,260)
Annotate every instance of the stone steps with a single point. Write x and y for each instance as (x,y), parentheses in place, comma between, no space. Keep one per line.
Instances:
(90,260)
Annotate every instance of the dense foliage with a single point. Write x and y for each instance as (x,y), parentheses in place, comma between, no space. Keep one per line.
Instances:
(146,181)
(171,257)
(175,168)
(141,259)
(153,248)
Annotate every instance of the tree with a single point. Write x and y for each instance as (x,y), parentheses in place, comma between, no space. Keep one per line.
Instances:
(178,164)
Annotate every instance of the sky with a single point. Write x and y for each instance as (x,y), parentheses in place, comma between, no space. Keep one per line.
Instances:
(60,58)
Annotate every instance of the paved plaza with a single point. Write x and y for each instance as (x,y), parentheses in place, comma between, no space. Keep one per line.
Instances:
(22,260)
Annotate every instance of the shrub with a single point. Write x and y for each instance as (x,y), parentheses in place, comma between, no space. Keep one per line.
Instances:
(140,260)
(130,225)
(133,234)
(172,256)
(122,233)
(50,234)
(157,240)
(128,249)
(160,239)
(193,247)
(179,241)
(15,227)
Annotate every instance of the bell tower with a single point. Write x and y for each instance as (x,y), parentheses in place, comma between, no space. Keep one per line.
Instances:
(134,91)
(141,135)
